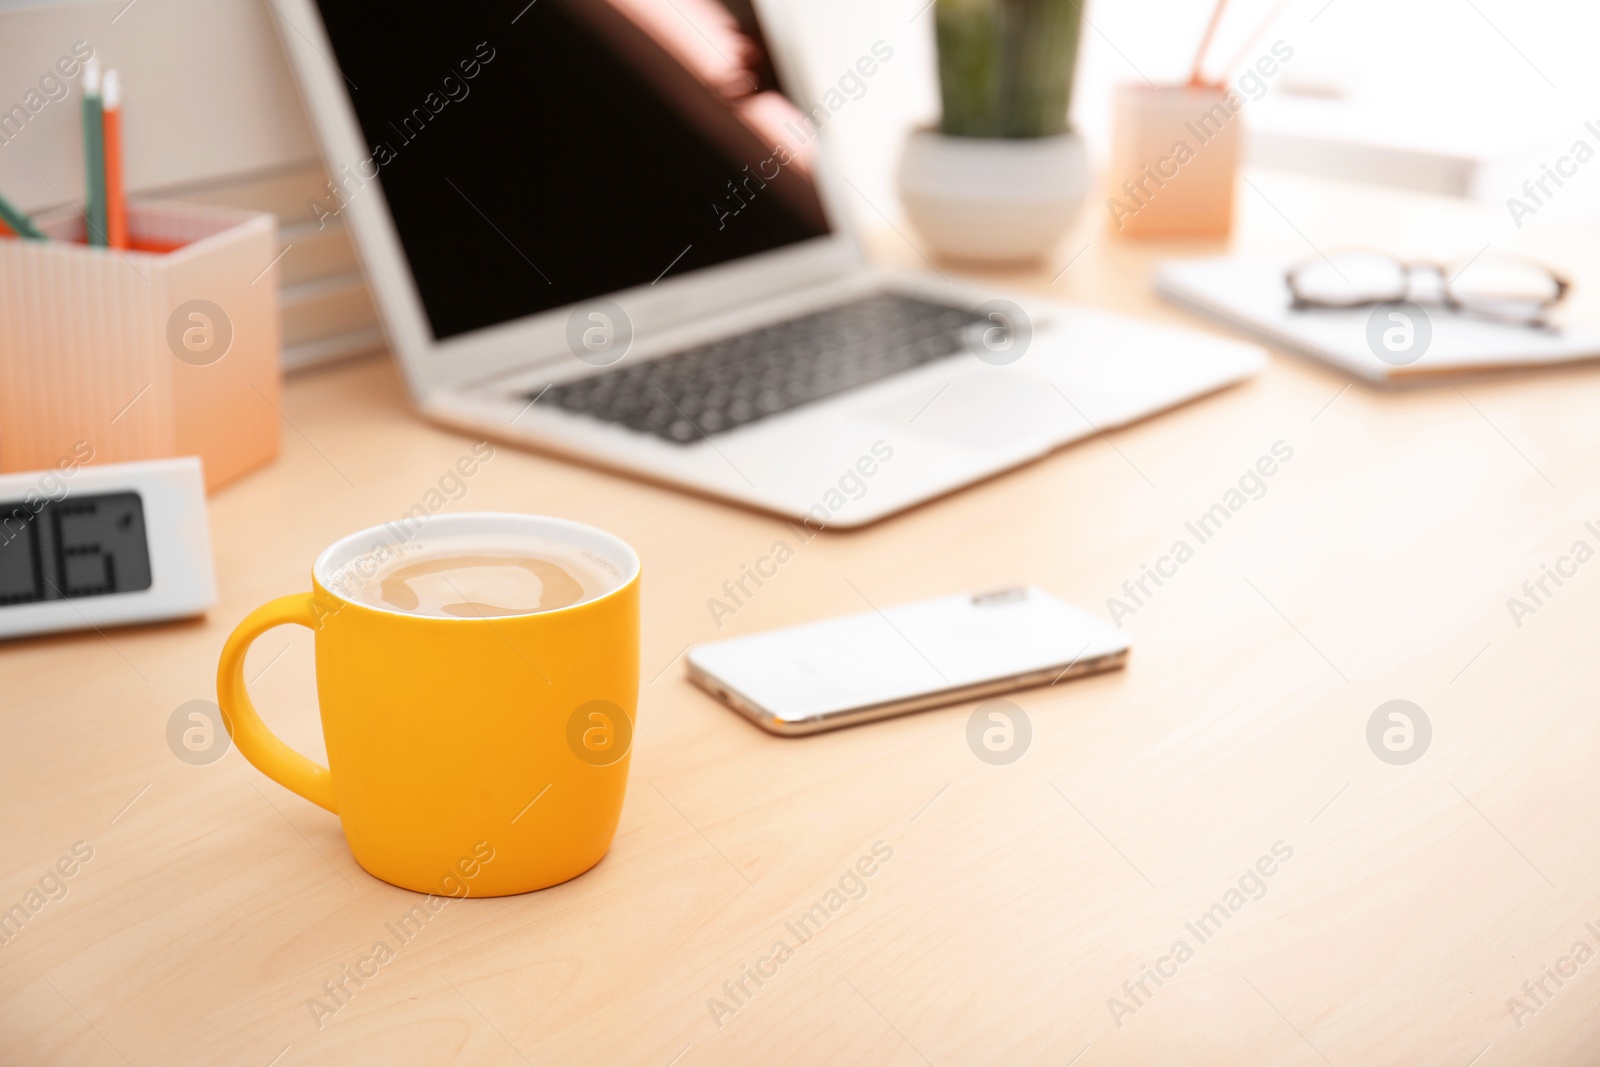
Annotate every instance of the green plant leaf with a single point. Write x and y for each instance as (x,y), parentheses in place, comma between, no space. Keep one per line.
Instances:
(1006,66)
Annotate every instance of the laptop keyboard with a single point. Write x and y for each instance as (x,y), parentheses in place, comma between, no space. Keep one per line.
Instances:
(721,385)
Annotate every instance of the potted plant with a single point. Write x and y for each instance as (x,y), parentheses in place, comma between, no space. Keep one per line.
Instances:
(1003,175)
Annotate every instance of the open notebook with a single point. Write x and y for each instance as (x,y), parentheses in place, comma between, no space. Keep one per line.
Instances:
(1251,296)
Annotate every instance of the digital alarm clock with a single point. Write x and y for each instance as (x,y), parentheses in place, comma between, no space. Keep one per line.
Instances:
(103,545)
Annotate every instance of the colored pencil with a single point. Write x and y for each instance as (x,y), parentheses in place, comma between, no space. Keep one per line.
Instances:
(1250,42)
(18,222)
(116,202)
(94,154)
(1195,78)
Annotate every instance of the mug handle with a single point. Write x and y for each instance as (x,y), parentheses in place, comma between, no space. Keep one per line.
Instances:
(258,744)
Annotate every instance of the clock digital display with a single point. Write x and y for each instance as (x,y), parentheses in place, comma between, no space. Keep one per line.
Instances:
(79,546)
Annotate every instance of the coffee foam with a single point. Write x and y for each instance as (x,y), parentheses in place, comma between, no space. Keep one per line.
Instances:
(479,576)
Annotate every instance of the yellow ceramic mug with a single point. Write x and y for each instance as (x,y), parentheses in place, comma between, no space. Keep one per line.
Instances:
(452,740)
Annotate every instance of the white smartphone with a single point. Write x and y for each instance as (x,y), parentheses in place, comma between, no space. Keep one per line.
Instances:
(824,675)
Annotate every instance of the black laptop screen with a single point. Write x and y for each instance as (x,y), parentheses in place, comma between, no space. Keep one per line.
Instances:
(540,154)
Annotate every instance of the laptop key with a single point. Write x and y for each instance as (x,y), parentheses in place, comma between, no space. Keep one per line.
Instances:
(721,385)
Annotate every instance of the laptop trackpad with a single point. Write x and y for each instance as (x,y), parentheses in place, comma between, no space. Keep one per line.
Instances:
(984,409)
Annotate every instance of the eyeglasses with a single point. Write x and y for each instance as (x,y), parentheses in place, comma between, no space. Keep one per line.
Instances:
(1502,288)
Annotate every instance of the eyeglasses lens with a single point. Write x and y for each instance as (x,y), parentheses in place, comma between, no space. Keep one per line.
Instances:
(1511,289)
(1350,278)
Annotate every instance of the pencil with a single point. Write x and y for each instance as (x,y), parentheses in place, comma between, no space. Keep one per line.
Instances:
(116,202)
(18,222)
(94,154)
(1195,78)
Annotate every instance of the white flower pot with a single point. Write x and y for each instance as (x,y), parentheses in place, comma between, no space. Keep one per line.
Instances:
(992,200)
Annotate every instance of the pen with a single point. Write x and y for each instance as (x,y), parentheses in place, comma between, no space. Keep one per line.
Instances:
(18,221)
(94,154)
(116,202)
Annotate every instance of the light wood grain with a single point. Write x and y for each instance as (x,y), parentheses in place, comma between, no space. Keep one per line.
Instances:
(1018,899)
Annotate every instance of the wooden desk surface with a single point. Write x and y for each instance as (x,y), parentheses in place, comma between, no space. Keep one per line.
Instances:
(1008,904)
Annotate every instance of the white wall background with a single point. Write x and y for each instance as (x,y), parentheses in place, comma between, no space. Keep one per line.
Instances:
(209,94)
(1448,71)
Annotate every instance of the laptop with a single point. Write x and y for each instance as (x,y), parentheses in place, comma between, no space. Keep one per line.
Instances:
(607,229)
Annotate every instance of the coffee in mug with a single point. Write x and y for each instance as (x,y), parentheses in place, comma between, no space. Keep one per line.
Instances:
(471,577)
(477,688)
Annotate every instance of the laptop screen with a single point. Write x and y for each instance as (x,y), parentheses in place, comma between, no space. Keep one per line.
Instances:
(540,154)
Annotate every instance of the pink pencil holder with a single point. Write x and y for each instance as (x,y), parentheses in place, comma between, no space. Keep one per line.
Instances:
(1174,161)
(167,348)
